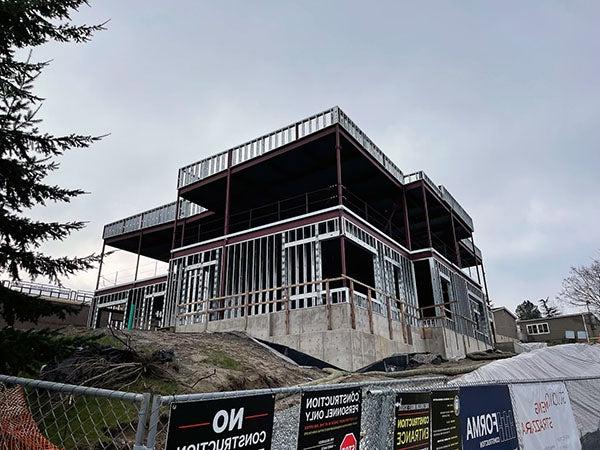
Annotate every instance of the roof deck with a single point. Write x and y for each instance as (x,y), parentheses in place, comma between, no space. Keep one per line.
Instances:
(153,217)
(204,181)
(283,136)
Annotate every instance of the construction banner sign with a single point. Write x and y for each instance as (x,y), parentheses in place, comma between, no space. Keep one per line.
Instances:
(411,422)
(486,418)
(330,420)
(544,416)
(445,410)
(244,423)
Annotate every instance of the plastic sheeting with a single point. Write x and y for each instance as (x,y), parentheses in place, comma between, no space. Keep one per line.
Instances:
(560,361)
(585,400)
(524,347)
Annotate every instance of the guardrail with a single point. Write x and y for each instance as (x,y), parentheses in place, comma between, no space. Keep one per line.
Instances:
(49,290)
(456,206)
(443,193)
(472,247)
(278,138)
(156,216)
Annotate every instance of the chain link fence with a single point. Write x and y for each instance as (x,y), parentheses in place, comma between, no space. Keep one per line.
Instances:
(45,415)
(377,418)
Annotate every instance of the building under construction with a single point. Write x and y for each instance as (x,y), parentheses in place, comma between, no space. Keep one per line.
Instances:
(310,237)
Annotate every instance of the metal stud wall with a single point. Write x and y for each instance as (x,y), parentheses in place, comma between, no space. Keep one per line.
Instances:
(140,308)
(466,311)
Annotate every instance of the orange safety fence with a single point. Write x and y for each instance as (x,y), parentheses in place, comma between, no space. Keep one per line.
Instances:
(18,429)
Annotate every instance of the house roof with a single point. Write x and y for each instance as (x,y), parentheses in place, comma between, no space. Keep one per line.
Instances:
(500,308)
(562,316)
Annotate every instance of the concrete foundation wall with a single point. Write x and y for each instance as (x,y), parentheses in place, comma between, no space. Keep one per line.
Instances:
(334,341)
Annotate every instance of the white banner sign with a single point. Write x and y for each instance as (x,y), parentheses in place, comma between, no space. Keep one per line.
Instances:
(544,417)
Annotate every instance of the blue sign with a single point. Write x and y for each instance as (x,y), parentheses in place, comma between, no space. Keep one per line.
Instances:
(487,421)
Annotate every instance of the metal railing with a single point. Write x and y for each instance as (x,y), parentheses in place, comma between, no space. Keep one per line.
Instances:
(156,216)
(308,294)
(471,247)
(369,146)
(283,136)
(443,193)
(49,291)
(459,210)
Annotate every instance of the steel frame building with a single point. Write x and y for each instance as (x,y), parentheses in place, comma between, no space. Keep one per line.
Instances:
(309,236)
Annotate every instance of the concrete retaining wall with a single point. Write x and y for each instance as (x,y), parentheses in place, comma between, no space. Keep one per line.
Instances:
(342,346)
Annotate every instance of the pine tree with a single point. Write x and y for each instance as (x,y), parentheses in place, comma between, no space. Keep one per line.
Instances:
(28,154)
(527,310)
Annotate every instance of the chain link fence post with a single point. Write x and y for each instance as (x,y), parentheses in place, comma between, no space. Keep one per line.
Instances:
(140,432)
(154,420)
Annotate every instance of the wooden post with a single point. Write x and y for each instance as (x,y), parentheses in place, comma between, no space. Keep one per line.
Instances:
(287,310)
(246,311)
(352,306)
(389,314)
(328,305)
(370,309)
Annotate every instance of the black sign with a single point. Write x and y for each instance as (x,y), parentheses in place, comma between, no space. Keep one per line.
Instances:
(445,431)
(330,420)
(233,423)
(411,425)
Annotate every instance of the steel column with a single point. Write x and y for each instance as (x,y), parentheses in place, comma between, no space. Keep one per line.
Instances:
(175,221)
(338,164)
(137,263)
(338,161)
(223,269)
(426,214)
(475,257)
(100,265)
(456,247)
(406,220)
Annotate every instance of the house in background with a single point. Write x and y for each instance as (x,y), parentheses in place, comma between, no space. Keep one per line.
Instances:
(567,328)
(505,325)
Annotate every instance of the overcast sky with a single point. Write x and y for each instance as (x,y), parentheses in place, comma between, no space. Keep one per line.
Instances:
(498,101)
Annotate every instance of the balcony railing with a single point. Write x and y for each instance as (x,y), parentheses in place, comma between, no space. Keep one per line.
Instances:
(443,193)
(471,247)
(49,291)
(152,217)
(448,198)
(278,138)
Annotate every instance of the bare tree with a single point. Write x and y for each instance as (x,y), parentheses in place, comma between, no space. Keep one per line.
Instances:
(547,309)
(582,286)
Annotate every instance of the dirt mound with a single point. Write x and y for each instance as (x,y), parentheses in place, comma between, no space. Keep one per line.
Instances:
(168,363)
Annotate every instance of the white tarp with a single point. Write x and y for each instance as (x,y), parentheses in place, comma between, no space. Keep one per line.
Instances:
(585,400)
(524,347)
(559,361)
(544,416)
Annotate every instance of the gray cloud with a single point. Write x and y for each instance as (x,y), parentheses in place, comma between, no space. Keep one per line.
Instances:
(497,101)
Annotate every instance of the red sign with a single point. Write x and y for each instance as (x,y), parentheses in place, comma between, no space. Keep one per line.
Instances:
(349,442)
